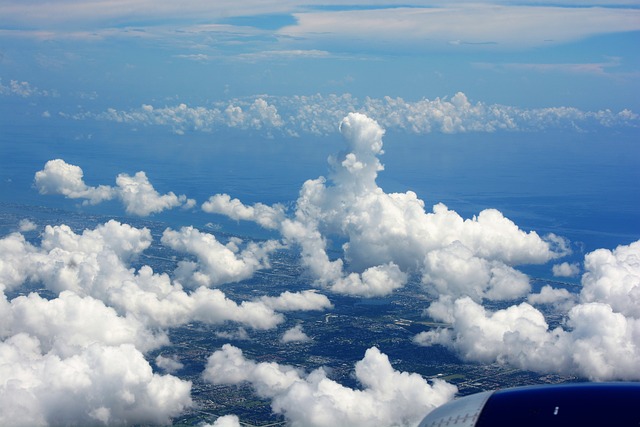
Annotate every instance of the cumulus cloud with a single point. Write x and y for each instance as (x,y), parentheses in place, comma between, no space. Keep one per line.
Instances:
(140,198)
(217,263)
(298,301)
(69,323)
(598,343)
(100,384)
(613,277)
(96,264)
(454,270)
(59,177)
(136,192)
(295,334)
(238,334)
(225,421)
(390,236)
(257,114)
(387,397)
(560,298)
(566,270)
(168,364)
(23,89)
(599,340)
(267,216)
(375,281)
(78,357)
(163,304)
(26,225)
(318,114)
(73,358)
(101,273)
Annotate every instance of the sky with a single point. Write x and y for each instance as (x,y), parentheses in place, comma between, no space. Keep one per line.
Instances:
(467,146)
(124,54)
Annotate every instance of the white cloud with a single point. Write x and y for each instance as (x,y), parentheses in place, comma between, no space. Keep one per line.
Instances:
(98,385)
(263,113)
(160,303)
(481,25)
(296,301)
(238,334)
(318,114)
(225,421)
(72,15)
(389,236)
(560,298)
(267,216)
(59,177)
(596,68)
(566,270)
(284,54)
(67,324)
(388,397)
(73,358)
(169,364)
(140,198)
(23,90)
(600,339)
(77,357)
(255,114)
(375,281)
(423,26)
(68,261)
(454,270)
(217,263)
(26,225)
(613,277)
(598,345)
(295,334)
(96,264)
(136,192)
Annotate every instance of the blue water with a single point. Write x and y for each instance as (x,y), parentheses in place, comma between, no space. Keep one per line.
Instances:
(583,186)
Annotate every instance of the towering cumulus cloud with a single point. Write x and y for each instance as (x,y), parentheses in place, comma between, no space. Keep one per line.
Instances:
(389,236)
(388,397)
(136,192)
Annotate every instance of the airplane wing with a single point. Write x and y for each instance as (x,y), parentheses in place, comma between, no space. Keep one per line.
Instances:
(573,404)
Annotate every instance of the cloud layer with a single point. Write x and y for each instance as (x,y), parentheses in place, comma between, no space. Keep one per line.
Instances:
(486,24)
(424,25)
(318,114)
